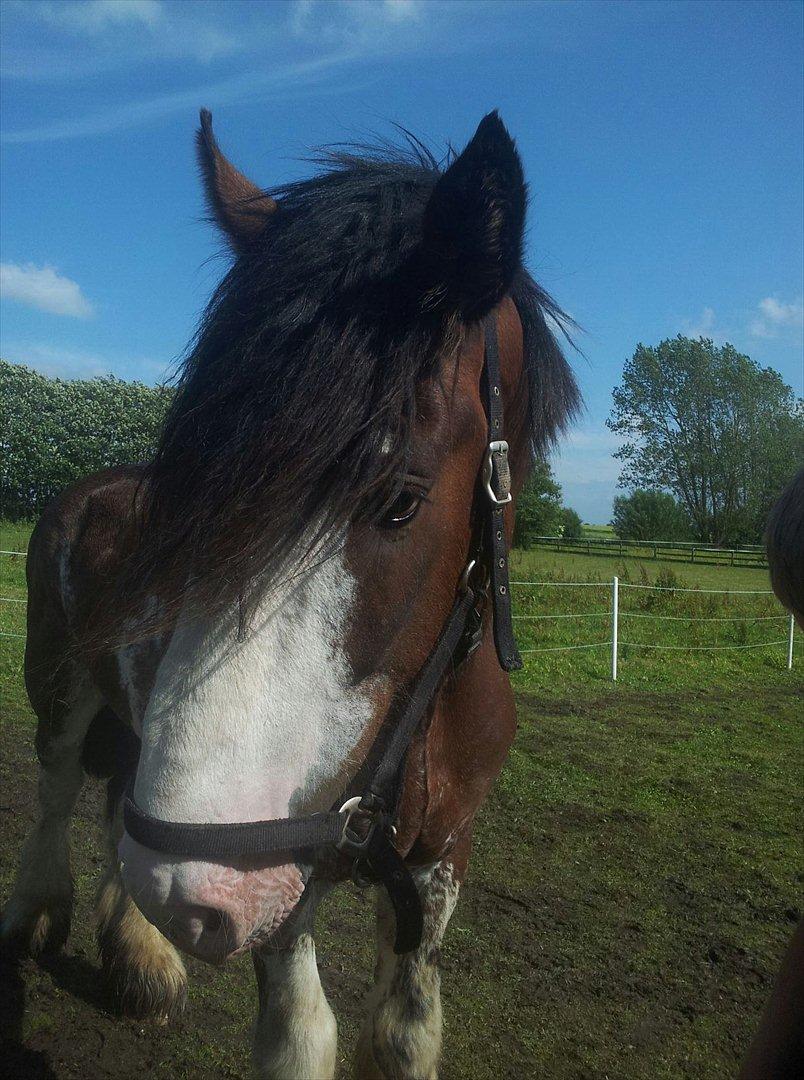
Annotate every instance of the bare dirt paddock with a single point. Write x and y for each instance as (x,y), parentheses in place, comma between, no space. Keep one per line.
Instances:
(635,877)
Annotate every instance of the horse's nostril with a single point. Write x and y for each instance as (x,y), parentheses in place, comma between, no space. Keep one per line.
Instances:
(213,920)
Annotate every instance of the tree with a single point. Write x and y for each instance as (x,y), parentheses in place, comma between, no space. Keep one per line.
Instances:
(538,507)
(711,426)
(650,515)
(52,432)
(572,524)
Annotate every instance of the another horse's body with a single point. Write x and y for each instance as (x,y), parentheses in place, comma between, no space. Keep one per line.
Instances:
(228,627)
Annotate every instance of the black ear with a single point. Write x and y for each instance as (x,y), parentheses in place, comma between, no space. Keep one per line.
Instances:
(474,223)
(237,205)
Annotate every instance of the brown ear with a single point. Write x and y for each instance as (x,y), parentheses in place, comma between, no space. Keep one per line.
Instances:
(239,207)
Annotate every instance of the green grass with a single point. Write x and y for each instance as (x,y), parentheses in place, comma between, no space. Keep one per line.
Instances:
(647,617)
(598,532)
(636,871)
(14,535)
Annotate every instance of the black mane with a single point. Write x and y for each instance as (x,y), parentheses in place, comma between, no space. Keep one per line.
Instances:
(307,359)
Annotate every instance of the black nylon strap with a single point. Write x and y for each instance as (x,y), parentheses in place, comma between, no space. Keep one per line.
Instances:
(383,782)
(221,839)
(494,516)
(391,871)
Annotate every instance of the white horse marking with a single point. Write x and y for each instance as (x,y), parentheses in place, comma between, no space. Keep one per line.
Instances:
(259,728)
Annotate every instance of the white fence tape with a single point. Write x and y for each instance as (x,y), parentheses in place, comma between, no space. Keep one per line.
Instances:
(614,614)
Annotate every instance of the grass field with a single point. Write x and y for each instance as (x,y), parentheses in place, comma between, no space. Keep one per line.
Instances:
(636,871)
(597,532)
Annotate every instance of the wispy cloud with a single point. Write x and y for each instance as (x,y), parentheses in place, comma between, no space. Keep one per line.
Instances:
(355,21)
(43,287)
(316,39)
(96,16)
(775,317)
(110,35)
(71,363)
(296,79)
(703,326)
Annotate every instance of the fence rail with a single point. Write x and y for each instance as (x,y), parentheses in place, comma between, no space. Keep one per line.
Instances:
(681,551)
(614,614)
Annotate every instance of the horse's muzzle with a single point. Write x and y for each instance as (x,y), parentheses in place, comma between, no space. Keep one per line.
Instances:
(210,910)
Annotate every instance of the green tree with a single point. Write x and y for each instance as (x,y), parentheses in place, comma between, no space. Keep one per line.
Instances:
(711,426)
(650,515)
(572,524)
(538,507)
(53,432)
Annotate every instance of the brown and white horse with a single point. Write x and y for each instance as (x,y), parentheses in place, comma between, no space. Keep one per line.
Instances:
(227,627)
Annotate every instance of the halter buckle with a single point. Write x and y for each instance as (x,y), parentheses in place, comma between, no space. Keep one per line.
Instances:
(358,829)
(496,470)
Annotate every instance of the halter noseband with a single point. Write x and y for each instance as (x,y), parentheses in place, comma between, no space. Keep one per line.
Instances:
(363,826)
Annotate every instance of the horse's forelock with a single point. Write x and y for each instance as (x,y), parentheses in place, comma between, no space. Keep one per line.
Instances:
(296,403)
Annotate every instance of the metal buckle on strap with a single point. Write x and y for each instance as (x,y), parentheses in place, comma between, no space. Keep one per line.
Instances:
(358,829)
(496,469)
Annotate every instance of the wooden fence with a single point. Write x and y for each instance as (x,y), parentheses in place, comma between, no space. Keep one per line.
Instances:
(750,556)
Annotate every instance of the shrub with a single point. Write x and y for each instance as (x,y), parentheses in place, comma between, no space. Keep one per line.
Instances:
(573,526)
(650,515)
(53,432)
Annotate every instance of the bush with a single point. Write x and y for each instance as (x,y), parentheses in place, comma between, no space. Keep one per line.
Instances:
(650,515)
(573,526)
(54,432)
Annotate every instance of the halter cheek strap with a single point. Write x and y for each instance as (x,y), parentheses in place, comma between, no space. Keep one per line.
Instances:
(362,827)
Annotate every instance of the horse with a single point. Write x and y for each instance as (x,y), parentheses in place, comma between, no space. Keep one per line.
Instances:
(776,1051)
(305,588)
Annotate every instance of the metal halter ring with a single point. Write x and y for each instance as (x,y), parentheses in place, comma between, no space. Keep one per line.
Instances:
(351,839)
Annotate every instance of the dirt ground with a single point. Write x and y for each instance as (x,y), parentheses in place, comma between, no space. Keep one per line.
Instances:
(635,877)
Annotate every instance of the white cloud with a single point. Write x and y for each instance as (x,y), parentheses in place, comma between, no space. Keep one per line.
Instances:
(96,16)
(355,20)
(703,326)
(402,10)
(777,312)
(107,35)
(776,316)
(43,288)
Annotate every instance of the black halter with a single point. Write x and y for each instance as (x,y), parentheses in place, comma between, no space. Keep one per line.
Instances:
(363,825)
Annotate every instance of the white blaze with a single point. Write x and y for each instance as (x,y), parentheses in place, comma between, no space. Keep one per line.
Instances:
(260,728)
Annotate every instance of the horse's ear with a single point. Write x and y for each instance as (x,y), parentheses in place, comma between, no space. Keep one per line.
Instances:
(474,223)
(239,207)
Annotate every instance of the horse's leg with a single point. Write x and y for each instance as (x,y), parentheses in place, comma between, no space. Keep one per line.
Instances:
(38,913)
(295,1037)
(401,1035)
(144,970)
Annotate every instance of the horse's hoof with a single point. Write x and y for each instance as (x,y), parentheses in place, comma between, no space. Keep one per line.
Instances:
(147,995)
(36,927)
(149,982)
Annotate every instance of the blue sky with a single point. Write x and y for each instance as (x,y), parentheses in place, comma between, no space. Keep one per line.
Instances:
(662,143)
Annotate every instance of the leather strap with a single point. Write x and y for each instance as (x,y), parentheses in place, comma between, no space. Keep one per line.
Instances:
(494,518)
(219,840)
(383,782)
(391,870)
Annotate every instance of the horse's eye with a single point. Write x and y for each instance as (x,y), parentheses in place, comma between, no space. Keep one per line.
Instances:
(402,510)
